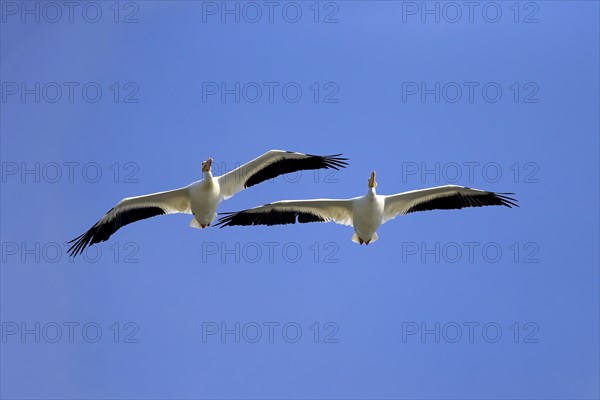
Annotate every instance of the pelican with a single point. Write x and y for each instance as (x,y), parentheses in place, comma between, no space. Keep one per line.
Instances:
(366,213)
(203,197)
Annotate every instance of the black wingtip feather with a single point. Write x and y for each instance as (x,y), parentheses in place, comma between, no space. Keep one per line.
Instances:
(100,232)
(507,201)
(269,218)
(289,165)
(459,200)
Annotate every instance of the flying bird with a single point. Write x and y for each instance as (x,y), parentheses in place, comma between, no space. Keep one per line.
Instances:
(203,197)
(366,213)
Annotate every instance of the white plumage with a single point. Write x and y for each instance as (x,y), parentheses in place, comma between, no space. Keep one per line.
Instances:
(202,198)
(366,213)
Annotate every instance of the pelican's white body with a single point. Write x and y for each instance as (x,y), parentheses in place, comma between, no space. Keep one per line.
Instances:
(367,216)
(366,213)
(205,197)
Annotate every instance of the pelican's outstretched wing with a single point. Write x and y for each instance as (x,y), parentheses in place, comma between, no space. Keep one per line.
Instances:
(130,210)
(290,212)
(274,163)
(443,198)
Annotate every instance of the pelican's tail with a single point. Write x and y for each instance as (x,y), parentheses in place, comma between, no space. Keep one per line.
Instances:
(195,224)
(356,239)
(374,238)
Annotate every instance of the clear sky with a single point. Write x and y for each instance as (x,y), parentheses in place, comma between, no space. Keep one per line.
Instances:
(104,100)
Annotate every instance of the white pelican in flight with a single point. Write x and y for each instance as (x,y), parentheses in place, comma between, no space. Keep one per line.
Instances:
(366,213)
(202,198)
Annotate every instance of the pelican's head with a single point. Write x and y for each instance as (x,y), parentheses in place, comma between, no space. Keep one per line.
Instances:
(372,181)
(206,165)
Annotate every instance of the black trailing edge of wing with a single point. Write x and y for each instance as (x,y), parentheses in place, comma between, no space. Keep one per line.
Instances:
(289,165)
(269,218)
(460,200)
(102,231)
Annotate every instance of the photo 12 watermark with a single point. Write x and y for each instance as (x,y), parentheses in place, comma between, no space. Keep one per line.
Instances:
(69,92)
(469,252)
(69,12)
(269,332)
(52,172)
(470,332)
(270,92)
(470,171)
(29,253)
(271,252)
(71,332)
(469,92)
(470,12)
(270,12)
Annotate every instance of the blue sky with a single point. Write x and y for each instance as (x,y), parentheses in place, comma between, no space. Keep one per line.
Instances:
(476,303)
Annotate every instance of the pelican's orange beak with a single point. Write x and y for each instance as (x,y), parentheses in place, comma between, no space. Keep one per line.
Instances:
(372,181)
(206,165)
